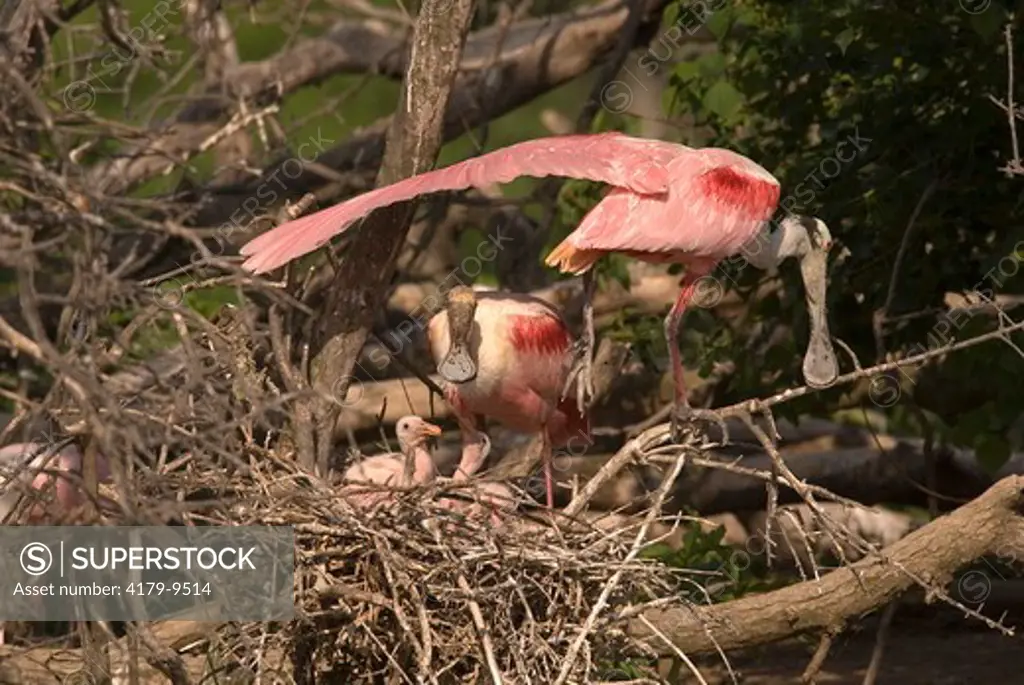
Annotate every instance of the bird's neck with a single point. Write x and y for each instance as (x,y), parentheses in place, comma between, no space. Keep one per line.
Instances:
(423,464)
(473,455)
(769,248)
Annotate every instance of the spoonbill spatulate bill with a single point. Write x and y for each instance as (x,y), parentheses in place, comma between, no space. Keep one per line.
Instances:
(506,356)
(669,203)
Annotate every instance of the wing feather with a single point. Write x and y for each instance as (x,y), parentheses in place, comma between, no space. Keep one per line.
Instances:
(717,200)
(614,158)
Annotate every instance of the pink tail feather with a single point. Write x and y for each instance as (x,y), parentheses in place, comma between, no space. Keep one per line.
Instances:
(612,158)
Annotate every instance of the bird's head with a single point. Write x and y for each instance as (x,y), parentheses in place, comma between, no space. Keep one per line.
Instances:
(412,431)
(818,234)
(802,235)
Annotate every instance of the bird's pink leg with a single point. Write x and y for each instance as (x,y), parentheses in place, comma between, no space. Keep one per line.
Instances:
(584,373)
(688,287)
(675,315)
(548,458)
(472,440)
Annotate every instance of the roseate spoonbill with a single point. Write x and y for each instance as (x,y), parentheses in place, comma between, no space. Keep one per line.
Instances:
(413,465)
(670,204)
(25,465)
(36,467)
(506,356)
(488,496)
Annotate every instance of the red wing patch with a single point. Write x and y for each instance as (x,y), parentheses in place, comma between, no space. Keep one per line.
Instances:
(539,334)
(751,196)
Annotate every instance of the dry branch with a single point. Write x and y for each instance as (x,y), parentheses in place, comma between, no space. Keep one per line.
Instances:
(991,524)
(541,55)
(413,141)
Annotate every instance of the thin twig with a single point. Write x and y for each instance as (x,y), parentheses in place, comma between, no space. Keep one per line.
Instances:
(481,627)
(879,650)
(818,660)
(638,545)
(882,314)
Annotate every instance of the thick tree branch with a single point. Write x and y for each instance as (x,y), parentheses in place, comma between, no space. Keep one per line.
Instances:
(413,141)
(991,524)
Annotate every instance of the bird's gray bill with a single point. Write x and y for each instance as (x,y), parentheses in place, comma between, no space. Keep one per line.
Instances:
(820,367)
(457,366)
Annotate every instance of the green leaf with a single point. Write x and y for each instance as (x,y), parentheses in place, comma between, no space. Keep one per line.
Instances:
(720,22)
(992,452)
(712,65)
(845,38)
(723,99)
(686,71)
(670,15)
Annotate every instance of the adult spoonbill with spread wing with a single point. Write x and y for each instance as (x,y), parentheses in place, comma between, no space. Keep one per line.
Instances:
(670,204)
(506,356)
(412,466)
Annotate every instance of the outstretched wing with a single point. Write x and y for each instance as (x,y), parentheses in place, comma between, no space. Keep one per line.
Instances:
(620,160)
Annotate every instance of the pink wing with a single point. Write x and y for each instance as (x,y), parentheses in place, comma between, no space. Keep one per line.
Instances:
(620,160)
(717,200)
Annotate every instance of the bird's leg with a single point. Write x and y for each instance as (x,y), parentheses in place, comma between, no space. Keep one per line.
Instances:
(583,365)
(472,445)
(585,385)
(682,411)
(548,457)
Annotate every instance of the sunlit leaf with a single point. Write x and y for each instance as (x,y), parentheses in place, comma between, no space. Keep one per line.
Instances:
(723,99)
(845,39)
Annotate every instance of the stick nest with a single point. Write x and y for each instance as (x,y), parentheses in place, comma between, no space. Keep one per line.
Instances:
(414,592)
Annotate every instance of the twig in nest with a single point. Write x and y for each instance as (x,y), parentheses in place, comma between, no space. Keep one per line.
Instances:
(481,627)
(162,658)
(638,544)
(631,451)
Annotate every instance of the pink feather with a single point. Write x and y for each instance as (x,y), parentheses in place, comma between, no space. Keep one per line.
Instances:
(523,351)
(632,163)
(716,202)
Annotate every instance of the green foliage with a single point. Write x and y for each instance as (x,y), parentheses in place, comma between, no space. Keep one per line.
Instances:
(859,107)
(715,572)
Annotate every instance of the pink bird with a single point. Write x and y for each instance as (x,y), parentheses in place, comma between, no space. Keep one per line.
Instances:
(669,204)
(412,466)
(35,467)
(508,357)
(31,465)
(488,497)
